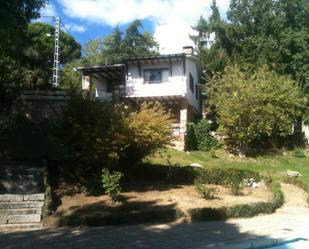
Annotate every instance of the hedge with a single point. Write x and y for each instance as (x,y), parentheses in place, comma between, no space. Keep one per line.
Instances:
(242,210)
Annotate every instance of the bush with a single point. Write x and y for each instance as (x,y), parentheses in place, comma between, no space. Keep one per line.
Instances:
(299,152)
(236,188)
(149,129)
(111,184)
(254,106)
(220,176)
(99,135)
(207,193)
(199,137)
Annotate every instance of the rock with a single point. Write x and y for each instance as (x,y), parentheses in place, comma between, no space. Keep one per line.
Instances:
(231,156)
(254,185)
(293,173)
(196,165)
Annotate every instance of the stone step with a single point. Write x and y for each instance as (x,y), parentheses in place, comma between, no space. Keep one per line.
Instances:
(20,227)
(17,198)
(30,218)
(21,211)
(21,186)
(21,205)
(13,219)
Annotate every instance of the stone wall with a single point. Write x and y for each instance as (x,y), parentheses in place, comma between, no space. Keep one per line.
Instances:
(40,104)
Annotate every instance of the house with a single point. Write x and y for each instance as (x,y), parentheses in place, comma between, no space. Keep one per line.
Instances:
(173,80)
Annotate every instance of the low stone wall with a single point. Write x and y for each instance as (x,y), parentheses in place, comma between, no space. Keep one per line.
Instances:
(40,104)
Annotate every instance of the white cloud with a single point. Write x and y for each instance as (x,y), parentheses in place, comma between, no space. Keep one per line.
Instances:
(75,28)
(48,10)
(172,18)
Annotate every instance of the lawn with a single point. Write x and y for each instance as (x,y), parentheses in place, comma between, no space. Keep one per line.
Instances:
(275,165)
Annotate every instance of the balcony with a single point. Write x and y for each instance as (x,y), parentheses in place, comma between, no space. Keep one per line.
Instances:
(175,86)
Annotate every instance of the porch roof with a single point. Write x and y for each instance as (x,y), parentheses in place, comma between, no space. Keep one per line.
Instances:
(110,72)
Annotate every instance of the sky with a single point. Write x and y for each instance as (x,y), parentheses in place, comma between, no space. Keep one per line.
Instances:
(170,21)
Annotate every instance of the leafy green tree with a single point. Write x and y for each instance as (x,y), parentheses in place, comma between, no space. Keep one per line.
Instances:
(254,106)
(117,46)
(14,18)
(40,50)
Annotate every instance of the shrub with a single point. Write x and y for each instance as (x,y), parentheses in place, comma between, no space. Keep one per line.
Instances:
(228,176)
(207,193)
(236,188)
(253,106)
(299,152)
(111,184)
(199,137)
(149,128)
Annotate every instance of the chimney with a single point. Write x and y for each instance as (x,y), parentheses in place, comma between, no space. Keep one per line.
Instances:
(188,50)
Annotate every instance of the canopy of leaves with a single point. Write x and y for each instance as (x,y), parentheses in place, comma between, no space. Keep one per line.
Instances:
(14,18)
(117,46)
(252,106)
(40,50)
(275,33)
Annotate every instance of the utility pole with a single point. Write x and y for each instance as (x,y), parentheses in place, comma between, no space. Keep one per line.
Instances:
(56,54)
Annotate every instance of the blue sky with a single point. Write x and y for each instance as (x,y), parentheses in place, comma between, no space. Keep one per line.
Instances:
(169,20)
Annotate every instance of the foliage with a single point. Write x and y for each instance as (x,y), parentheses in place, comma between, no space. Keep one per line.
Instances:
(199,136)
(254,106)
(149,130)
(221,176)
(39,53)
(14,18)
(207,193)
(299,152)
(236,188)
(133,42)
(257,33)
(111,184)
(93,135)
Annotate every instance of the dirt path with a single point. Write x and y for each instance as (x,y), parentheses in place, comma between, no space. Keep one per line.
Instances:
(295,200)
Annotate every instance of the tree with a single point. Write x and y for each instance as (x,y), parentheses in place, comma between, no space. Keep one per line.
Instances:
(14,18)
(40,50)
(211,41)
(254,106)
(275,33)
(117,46)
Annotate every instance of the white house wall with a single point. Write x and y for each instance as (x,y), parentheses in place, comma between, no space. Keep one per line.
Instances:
(101,89)
(191,67)
(136,87)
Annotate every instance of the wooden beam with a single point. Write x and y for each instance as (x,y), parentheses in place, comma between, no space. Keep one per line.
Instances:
(139,69)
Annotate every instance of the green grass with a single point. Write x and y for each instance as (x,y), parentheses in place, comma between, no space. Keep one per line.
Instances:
(275,165)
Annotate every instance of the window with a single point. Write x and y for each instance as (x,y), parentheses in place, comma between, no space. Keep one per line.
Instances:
(196,92)
(155,75)
(191,82)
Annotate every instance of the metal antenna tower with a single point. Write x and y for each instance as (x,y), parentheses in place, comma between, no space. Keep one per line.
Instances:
(56,54)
